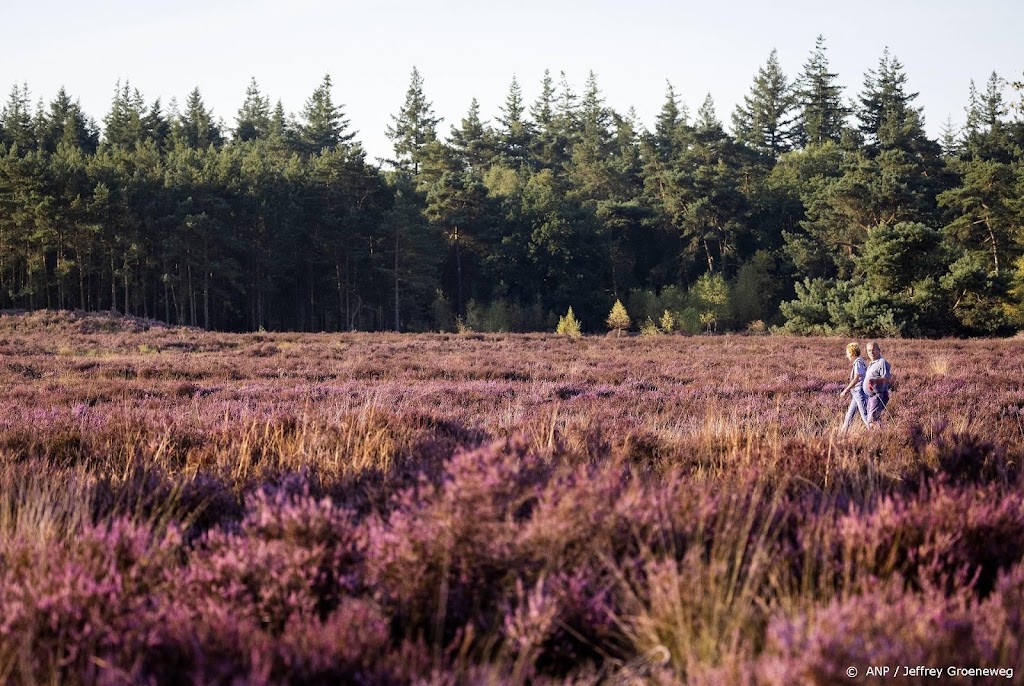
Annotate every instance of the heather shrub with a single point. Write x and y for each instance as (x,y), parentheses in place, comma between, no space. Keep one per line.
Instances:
(446,553)
(351,645)
(943,535)
(961,457)
(148,494)
(562,621)
(69,603)
(202,641)
(884,625)
(576,519)
(1000,619)
(289,556)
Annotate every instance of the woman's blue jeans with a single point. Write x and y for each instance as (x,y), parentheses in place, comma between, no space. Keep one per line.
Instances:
(858,405)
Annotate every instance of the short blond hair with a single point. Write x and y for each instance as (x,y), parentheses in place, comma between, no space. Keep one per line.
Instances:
(853,348)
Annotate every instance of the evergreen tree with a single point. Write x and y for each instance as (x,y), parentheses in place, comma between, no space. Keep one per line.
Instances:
(543,109)
(514,132)
(986,217)
(949,138)
(671,128)
(974,122)
(66,122)
(123,125)
(993,109)
(280,128)
(764,121)
(415,126)
(196,127)
(323,125)
(707,118)
(548,142)
(253,118)
(456,205)
(822,114)
(155,126)
(16,120)
(589,168)
(472,142)
(986,136)
(887,115)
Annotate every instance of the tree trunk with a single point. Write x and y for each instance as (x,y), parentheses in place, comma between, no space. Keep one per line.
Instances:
(458,271)
(398,326)
(113,286)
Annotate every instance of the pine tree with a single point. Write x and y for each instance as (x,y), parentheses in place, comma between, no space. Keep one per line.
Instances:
(765,120)
(707,118)
(66,122)
(123,124)
(993,109)
(472,142)
(618,319)
(975,119)
(542,111)
(323,125)
(415,126)
(671,128)
(514,132)
(548,143)
(888,118)
(589,169)
(253,119)
(986,220)
(196,128)
(280,127)
(16,119)
(155,126)
(949,138)
(822,114)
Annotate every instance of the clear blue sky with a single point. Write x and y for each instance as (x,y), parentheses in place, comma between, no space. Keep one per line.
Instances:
(469,49)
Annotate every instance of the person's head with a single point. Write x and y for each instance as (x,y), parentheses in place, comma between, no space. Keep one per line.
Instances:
(852,351)
(874,352)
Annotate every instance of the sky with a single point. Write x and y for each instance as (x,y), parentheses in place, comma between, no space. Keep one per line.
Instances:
(467,49)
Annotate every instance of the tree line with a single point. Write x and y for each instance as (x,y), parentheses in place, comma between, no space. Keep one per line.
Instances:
(815,212)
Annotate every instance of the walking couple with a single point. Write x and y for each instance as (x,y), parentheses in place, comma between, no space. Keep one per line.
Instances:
(869,385)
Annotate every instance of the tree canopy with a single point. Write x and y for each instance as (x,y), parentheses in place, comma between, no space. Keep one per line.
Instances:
(811,214)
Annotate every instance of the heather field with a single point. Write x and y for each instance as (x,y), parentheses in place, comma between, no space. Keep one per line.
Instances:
(186,507)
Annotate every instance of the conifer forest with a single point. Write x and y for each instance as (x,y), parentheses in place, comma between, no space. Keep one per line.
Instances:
(812,207)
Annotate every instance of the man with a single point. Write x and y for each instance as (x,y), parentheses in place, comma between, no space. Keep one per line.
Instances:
(877,379)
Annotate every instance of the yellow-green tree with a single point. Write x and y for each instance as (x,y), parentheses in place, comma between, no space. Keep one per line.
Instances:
(618,319)
(668,322)
(569,326)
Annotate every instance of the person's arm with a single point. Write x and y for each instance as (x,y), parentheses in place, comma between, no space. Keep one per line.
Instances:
(885,381)
(853,382)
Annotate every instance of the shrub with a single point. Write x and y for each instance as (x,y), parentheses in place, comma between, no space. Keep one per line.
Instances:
(885,625)
(649,328)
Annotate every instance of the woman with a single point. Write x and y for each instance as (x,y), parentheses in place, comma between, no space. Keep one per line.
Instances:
(858,400)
